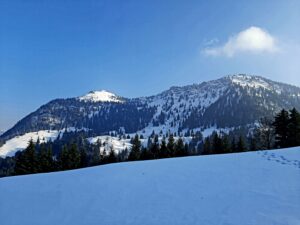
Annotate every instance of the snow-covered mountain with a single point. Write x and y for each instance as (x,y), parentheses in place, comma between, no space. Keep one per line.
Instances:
(238,189)
(230,102)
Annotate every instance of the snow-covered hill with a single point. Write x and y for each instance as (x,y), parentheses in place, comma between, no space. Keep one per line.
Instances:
(238,189)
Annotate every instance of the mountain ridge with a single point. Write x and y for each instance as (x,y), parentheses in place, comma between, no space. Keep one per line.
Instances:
(230,101)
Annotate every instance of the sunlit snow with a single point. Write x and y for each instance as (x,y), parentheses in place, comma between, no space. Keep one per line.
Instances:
(250,188)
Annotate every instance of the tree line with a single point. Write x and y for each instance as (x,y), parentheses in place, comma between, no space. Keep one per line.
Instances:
(75,152)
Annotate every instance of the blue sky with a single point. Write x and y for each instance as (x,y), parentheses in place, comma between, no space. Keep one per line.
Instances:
(52,49)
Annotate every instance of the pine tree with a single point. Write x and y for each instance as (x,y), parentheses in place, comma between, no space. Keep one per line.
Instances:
(171,146)
(83,158)
(163,150)
(233,146)
(241,146)
(225,144)
(281,129)
(112,158)
(266,133)
(64,159)
(294,128)
(135,152)
(154,148)
(179,148)
(26,162)
(216,144)
(253,144)
(207,146)
(69,157)
(74,156)
(45,159)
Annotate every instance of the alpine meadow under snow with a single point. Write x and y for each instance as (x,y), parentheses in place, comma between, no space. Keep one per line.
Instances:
(244,188)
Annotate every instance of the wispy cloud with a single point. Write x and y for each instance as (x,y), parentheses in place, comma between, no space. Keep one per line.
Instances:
(251,40)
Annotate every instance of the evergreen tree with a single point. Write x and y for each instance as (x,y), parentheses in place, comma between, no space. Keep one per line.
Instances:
(216,144)
(45,159)
(225,144)
(252,144)
(241,146)
(64,159)
(207,146)
(180,148)
(112,158)
(281,129)
(83,158)
(154,148)
(266,133)
(233,146)
(171,146)
(145,155)
(26,162)
(163,150)
(74,156)
(69,157)
(294,128)
(186,150)
(135,152)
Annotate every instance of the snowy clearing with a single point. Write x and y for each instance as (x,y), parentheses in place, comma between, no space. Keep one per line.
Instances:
(235,189)
(19,143)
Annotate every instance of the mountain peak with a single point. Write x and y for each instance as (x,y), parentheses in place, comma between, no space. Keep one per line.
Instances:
(100,96)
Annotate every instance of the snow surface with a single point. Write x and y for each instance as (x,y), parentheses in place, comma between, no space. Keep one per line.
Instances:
(253,188)
(250,81)
(108,143)
(120,144)
(100,96)
(19,143)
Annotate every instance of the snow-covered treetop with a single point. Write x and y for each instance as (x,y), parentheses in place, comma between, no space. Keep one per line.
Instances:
(100,96)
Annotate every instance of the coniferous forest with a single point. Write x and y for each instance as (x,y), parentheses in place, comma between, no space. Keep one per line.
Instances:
(73,151)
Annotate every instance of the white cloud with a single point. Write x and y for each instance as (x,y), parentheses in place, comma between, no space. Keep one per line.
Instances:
(253,40)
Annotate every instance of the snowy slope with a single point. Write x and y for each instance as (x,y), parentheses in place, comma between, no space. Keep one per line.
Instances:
(108,143)
(19,143)
(254,188)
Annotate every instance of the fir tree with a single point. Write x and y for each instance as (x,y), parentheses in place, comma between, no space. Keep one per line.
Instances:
(233,146)
(241,146)
(252,144)
(171,146)
(207,146)
(180,148)
(45,159)
(83,158)
(154,148)
(294,128)
(74,156)
(135,152)
(216,144)
(26,162)
(225,144)
(112,158)
(163,150)
(281,129)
